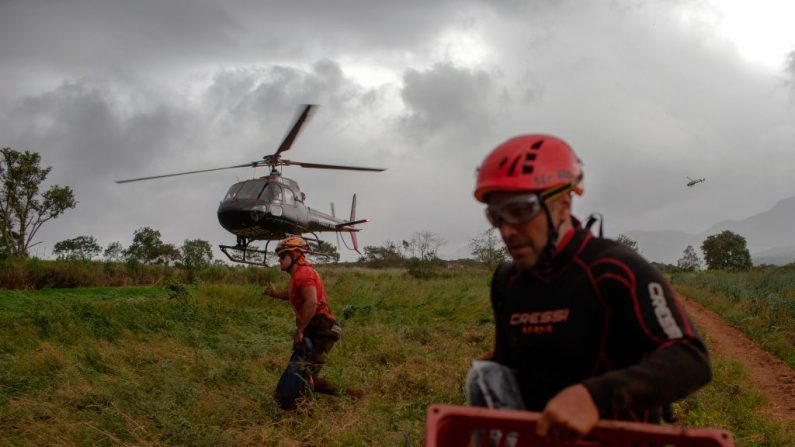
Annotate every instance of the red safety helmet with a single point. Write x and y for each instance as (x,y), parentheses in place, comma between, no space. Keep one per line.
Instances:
(541,163)
(292,243)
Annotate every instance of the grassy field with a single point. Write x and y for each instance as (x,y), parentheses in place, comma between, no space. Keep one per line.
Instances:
(760,302)
(169,366)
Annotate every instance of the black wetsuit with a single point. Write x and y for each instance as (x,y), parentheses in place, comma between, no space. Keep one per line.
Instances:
(602,316)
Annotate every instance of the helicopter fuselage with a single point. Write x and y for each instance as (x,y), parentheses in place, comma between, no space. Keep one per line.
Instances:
(271,207)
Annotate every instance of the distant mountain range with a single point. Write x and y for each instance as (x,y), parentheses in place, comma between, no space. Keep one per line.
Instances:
(770,237)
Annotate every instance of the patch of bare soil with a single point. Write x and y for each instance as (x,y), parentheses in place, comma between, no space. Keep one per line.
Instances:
(774,379)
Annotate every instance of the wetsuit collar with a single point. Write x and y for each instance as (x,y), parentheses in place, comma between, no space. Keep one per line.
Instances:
(567,247)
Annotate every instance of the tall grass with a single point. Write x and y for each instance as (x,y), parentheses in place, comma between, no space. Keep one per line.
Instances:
(761,303)
(731,402)
(158,366)
(143,366)
(43,274)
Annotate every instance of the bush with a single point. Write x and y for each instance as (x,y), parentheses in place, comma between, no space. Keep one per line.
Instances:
(176,289)
(425,268)
(13,274)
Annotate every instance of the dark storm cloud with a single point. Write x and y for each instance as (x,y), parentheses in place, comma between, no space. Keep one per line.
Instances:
(446,96)
(85,127)
(90,135)
(72,35)
(78,35)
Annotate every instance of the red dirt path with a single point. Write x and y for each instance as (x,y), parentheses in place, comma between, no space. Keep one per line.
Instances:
(773,378)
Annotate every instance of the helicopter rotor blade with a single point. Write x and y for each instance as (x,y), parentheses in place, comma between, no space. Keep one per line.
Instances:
(253,164)
(299,122)
(325,166)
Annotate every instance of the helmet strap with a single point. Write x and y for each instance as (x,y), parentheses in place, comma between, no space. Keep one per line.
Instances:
(545,259)
(293,260)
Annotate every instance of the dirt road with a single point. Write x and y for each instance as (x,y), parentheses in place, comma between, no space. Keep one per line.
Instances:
(774,379)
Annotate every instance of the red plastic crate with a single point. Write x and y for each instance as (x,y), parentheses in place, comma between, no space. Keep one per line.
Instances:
(453,426)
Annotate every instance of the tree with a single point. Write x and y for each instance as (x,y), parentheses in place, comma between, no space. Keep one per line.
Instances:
(689,261)
(114,252)
(149,249)
(407,248)
(23,208)
(626,240)
(196,254)
(81,248)
(425,244)
(3,247)
(726,251)
(488,249)
(388,255)
(324,252)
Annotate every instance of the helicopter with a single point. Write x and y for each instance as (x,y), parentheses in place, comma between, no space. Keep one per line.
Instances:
(272,207)
(692,182)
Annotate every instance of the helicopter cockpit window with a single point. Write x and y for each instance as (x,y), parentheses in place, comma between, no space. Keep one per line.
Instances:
(232,193)
(250,190)
(289,197)
(273,193)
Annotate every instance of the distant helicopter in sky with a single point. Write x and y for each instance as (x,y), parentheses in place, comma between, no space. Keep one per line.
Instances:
(272,207)
(692,182)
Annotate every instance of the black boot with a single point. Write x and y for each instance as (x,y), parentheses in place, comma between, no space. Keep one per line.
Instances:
(323,386)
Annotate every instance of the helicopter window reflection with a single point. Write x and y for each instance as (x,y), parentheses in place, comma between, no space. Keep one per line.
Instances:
(289,197)
(232,193)
(273,193)
(250,190)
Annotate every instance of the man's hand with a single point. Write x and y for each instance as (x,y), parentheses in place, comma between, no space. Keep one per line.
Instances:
(270,290)
(569,415)
(298,338)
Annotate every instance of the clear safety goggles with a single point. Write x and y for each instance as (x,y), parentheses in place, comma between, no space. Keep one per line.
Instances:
(517,210)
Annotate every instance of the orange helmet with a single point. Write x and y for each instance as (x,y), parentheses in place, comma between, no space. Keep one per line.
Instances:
(535,162)
(292,243)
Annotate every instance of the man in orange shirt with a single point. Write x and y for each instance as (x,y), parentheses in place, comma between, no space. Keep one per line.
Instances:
(316,328)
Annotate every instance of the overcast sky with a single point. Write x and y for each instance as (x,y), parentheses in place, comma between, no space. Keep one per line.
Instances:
(647,93)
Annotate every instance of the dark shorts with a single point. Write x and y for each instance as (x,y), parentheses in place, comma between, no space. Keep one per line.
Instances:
(323,332)
(306,360)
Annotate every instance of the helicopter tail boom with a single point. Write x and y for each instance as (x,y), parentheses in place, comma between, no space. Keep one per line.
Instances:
(355,222)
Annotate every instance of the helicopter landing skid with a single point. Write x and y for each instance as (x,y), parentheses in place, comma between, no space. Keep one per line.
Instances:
(315,244)
(244,254)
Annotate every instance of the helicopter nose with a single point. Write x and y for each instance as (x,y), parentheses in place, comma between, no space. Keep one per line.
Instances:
(262,210)
(258,212)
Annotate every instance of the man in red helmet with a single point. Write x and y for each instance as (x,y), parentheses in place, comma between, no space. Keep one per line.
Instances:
(585,327)
(316,328)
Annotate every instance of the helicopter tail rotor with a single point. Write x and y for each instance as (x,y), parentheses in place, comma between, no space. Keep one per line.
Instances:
(348,227)
(354,239)
(336,233)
